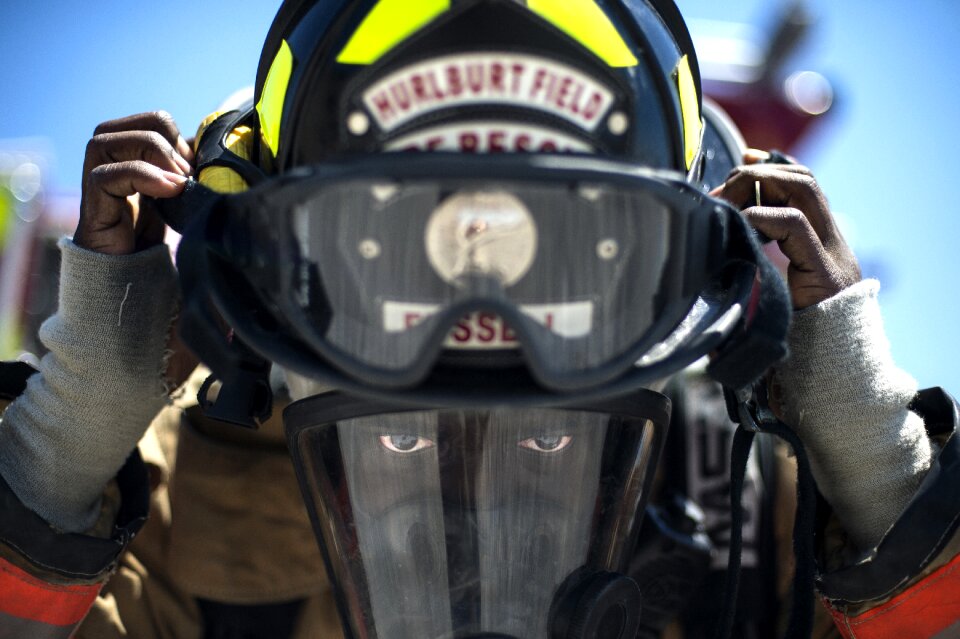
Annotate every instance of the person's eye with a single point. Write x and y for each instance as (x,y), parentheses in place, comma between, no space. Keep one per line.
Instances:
(547,443)
(405,443)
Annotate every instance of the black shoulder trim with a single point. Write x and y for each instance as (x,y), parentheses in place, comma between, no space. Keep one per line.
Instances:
(940,411)
(74,555)
(927,525)
(13,378)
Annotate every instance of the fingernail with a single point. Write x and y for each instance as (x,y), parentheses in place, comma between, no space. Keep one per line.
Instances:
(182,163)
(175,178)
(755,155)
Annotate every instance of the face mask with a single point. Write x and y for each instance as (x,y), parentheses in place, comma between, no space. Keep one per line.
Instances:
(460,522)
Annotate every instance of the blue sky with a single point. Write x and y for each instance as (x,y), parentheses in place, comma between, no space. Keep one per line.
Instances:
(886,159)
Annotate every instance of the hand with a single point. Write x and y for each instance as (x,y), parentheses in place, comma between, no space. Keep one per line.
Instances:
(794,212)
(138,155)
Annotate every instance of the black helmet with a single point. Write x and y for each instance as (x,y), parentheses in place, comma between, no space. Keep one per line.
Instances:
(618,78)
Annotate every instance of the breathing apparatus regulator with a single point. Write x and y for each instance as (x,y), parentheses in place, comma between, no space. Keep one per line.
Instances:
(483,222)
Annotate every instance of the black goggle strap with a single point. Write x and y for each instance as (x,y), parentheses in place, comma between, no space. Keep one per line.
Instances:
(754,417)
(244,396)
(762,342)
(196,200)
(212,149)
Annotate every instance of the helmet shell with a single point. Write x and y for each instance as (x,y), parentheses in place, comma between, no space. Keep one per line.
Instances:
(313,92)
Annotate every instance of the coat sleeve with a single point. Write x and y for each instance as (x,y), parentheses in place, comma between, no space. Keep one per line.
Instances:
(909,585)
(49,579)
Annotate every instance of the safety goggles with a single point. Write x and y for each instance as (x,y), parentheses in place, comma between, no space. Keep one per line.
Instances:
(477,521)
(381,271)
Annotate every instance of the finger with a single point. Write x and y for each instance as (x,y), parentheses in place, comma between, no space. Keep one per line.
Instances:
(123,179)
(755,156)
(812,275)
(781,186)
(108,186)
(774,168)
(793,232)
(759,172)
(159,121)
(126,146)
(149,228)
(107,220)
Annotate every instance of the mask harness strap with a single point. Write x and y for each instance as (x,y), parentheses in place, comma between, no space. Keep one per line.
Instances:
(801,612)
(243,395)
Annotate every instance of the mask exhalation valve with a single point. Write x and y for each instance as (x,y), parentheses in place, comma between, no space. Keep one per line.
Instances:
(596,605)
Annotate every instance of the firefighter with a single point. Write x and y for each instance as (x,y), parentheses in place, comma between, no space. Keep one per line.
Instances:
(499,324)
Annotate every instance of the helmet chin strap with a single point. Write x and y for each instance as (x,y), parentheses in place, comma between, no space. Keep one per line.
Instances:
(749,409)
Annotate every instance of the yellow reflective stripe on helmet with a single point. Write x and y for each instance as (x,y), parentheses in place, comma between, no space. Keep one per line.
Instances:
(690,108)
(270,106)
(388,24)
(587,23)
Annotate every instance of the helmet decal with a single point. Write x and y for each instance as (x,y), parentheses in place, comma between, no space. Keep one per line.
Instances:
(270,106)
(389,23)
(587,23)
(508,79)
(690,108)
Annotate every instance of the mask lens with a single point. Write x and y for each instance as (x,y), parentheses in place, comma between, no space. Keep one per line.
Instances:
(461,522)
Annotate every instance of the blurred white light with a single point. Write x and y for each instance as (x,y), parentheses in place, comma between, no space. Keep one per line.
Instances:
(384,192)
(25,181)
(809,91)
